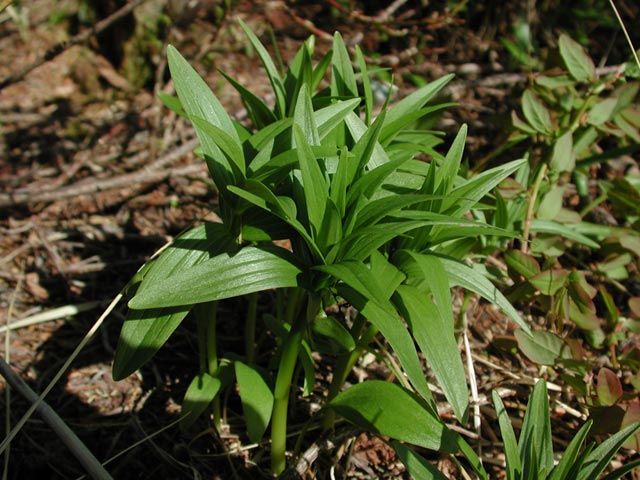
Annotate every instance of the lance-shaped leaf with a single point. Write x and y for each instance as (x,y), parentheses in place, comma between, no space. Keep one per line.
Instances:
(388,409)
(418,467)
(536,113)
(201,392)
(145,331)
(579,64)
(535,445)
(257,400)
(252,269)
(361,289)
(471,279)
(270,67)
(600,457)
(199,101)
(437,342)
(514,465)
(404,108)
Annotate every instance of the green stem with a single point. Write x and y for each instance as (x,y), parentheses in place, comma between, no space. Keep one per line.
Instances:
(250,330)
(531,208)
(345,364)
(206,315)
(288,361)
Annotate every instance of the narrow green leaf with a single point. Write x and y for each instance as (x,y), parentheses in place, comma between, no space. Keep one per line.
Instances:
(343,80)
(284,207)
(172,103)
(370,149)
(535,443)
(364,151)
(257,400)
(387,409)
(437,342)
(368,183)
(576,60)
(542,347)
(450,167)
(465,196)
(361,289)
(252,269)
(436,279)
(145,331)
(366,86)
(599,458)
(199,101)
(142,335)
(330,117)
(410,104)
(230,146)
(570,457)
(272,71)
(382,268)
(514,465)
(536,113)
(303,117)
(623,470)
(555,228)
(258,111)
(200,393)
(314,184)
(333,330)
(416,465)
(465,276)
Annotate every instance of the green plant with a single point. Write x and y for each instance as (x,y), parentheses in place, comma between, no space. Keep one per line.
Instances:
(364,223)
(579,227)
(531,456)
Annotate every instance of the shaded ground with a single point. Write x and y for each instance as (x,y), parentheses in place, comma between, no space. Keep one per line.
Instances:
(95,175)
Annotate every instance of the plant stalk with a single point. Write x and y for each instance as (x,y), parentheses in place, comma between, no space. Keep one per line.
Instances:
(206,316)
(530,209)
(286,367)
(250,330)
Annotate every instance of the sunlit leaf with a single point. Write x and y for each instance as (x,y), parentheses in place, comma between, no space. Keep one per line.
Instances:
(542,347)
(514,465)
(418,467)
(435,337)
(257,400)
(549,281)
(536,113)
(608,388)
(250,270)
(576,60)
(388,409)
(200,393)
(535,444)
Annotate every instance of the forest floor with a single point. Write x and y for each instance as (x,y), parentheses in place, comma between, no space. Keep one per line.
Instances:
(96,175)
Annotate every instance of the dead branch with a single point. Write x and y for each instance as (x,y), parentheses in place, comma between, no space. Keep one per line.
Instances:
(59,48)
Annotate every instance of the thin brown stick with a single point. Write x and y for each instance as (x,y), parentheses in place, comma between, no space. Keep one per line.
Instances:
(57,49)
(150,174)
